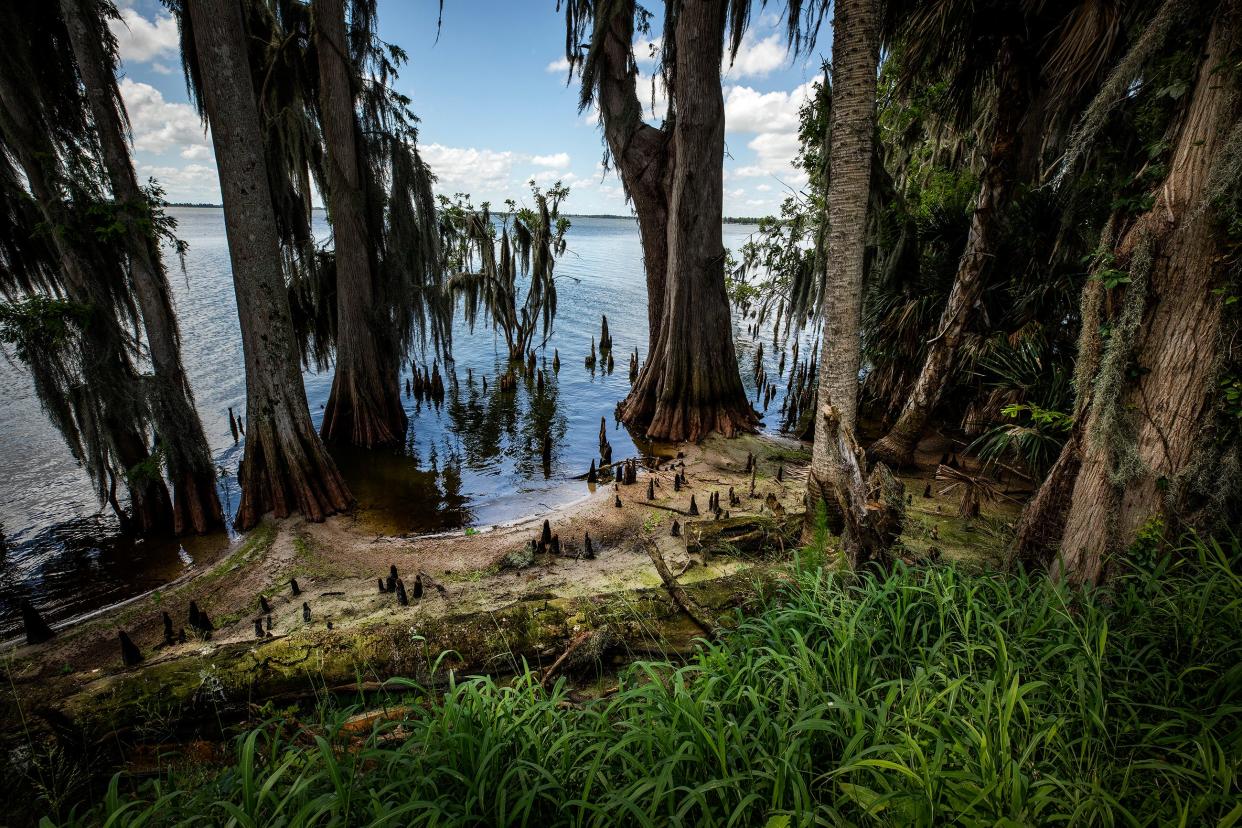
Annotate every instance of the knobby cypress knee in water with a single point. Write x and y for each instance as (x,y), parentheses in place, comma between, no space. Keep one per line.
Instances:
(258,628)
(418,586)
(592,477)
(306,612)
(694,507)
(402,598)
(293,586)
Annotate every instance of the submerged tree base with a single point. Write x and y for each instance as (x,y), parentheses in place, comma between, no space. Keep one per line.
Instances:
(286,475)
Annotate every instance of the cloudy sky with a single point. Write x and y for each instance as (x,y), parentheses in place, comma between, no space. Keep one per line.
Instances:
(495,109)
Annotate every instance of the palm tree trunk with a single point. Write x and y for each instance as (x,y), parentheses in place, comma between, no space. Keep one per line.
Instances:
(1145,427)
(690,385)
(897,447)
(364,407)
(196,506)
(285,467)
(851,134)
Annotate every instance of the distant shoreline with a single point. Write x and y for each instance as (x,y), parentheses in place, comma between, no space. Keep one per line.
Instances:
(726,220)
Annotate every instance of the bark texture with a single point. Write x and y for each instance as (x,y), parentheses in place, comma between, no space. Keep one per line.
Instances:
(851,134)
(642,154)
(196,506)
(285,467)
(1140,436)
(995,187)
(364,406)
(872,509)
(690,385)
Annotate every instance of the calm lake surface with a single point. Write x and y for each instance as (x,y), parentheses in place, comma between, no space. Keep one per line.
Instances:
(473,461)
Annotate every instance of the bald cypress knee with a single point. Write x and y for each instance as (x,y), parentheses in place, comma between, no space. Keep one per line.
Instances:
(286,467)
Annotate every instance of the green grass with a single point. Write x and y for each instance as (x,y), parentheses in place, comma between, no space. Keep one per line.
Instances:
(932,697)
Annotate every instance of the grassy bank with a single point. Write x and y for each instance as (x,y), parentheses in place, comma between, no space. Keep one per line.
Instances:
(935,696)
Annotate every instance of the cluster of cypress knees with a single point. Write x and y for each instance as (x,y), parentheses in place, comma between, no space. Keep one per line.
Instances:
(424,385)
(393,585)
(199,622)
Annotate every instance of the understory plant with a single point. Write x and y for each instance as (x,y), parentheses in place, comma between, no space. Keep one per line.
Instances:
(930,696)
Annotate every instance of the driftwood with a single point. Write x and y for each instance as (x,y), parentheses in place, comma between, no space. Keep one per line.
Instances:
(687,604)
(588,645)
(748,533)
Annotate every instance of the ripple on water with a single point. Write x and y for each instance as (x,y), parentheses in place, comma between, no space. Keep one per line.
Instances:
(473,460)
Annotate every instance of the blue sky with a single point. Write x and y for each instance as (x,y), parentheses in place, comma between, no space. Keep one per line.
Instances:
(494,105)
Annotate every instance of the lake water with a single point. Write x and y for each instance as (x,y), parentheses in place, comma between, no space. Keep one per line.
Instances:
(473,461)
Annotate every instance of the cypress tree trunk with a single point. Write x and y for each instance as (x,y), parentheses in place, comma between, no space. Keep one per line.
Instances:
(897,447)
(1150,405)
(196,506)
(642,153)
(285,467)
(690,384)
(364,407)
(851,133)
(110,383)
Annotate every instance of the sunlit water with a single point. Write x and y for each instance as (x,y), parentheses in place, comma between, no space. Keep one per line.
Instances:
(473,461)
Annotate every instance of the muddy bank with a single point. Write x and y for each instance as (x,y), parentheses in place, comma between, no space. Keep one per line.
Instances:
(487,601)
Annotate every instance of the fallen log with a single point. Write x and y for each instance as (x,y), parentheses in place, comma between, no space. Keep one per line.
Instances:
(688,605)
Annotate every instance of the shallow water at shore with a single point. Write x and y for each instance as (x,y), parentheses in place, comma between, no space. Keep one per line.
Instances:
(473,460)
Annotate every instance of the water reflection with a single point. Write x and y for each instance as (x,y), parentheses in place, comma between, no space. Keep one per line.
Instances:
(94,567)
(476,458)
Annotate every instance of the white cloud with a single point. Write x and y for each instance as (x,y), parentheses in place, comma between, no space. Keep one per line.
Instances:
(647,50)
(160,126)
(558,66)
(652,95)
(141,40)
(747,110)
(764,188)
(773,119)
(776,152)
(558,161)
(489,174)
(749,171)
(757,58)
(468,168)
(191,182)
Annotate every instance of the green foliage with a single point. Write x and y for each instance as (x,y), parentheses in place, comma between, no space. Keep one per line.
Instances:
(932,697)
(41,324)
(1034,438)
(485,253)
